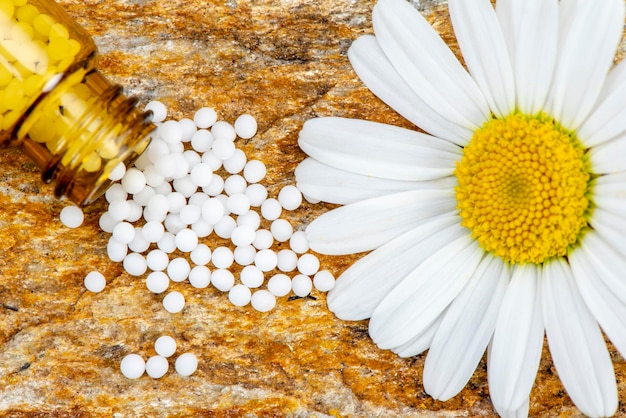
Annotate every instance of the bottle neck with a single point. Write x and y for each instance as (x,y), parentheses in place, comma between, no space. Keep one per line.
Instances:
(80,131)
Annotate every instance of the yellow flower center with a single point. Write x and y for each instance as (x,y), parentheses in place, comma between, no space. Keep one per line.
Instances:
(523,184)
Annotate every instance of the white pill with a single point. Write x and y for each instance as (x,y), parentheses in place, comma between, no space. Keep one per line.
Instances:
(119,209)
(250,218)
(244,256)
(222,257)
(263,301)
(271,209)
(165,166)
(167,243)
(200,277)
(186,240)
(235,184)
(174,302)
(201,175)
(153,231)
(157,260)
(171,132)
(124,232)
(236,163)
(238,203)
(158,109)
(157,366)
(153,178)
(135,264)
(115,192)
(201,255)
(301,285)
(178,269)
(118,172)
(95,281)
(190,214)
(212,160)
(133,181)
(263,239)
(202,228)
(142,162)
(163,189)
(251,276)
(185,186)
(266,260)
(181,166)
(197,199)
(215,187)
(279,285)
(239,295)
(135,212)
(257,193)
(254,171)
(116,250)
(192,158)
(287,260)
(143,196)
(290,197)
(165,346)
(223,148)
(202,140)
(72,216)
(186,364)
(106,222)
(281,230)
(188,128)
(173,223)
(299,243)
(205,117)
(224,228)
(245,126)
(243,235)
(159,204)
(133,366)
(324,280)
(157,282)
(224,130)
(308,264)
(222,279)
(212,211)
(139,244)
(157,149)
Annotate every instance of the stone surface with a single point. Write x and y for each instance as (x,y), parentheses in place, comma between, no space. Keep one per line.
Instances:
(60,345)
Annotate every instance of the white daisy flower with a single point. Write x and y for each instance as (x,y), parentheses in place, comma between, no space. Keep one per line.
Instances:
(504,220)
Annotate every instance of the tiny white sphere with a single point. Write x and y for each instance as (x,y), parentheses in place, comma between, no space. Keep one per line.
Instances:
(116,250)
(135,264)
(190,213)
(157,282)
(200,277)
(308,264)
(222,257)
(266,260)
(271,209)
(139,244)
(171,132)
(149,216)
(115,192)
(157,366)
(119,209)
(185,186)
(202,228)
(153,231)
(159,204)
(243,235)
(157,260)
(174,224)
(212,211)
(235,163)
(263,239)
(222,279)
(133,181)
(254,171)
(257,193)
(250,218)
(279,285)
(118,172)
(142,162)
(167,243)
(223,198)
(215,187)
(158,109)
(143,196)
(165,165)
(251,276)
(133,366)
(224,228)
(263,301)
(176,150)
(124,232)
(235,184)
(72,216)
(165,346)
(197,199)
(181,165)
(287,260)
(178,269)
(202,140)
(164,188)
(223,148)
(245,126)
(186,364)
(135,212)
(239,295)
(188,128)
(238,203)
(157,149)
(192,158)
(281,230)
(223,129)
(324,280)
(201,255)
(153,178)
(174,302)
(95,281)
(290,197)
(205,117)
(299,243)
(301,285)
(212,160)
(106,222)
(244,255)
(201,175)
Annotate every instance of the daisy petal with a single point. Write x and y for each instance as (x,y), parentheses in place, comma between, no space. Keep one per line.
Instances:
(609,192)
(576,344)
(379,150)
(608,157)
(332,185)
(482,43)
(610,227)
(361,287)
(421,342)
(466,330)
(521,412)
(368,224)
(588,38)
(517,341)
(427,65)
(530,29)
(420,298)
(381,78)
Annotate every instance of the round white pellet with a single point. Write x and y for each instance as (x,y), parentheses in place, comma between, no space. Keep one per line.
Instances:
(133,366)
(171,132)
(186,240)
(159,111)
(281,230)
(157,149)
(153,231)
(215,187)
(157,260)
(165,166)
(163,189)
(212,211)
(115,192)
(279,285)
(204,117)
(157,366)
(299,243)
(197,199)
(308,264)
(186,364)
(190,214)
(72,216)
(133,181)
(245,126)
(235,184)
(139,244)
(181,168)
(135,212)
(254,171)
(236,163)
(239,295)
(149,216)
(238,203)
(200,277)
(301,285)
(250,218)
(243,235)
(201,175)
(177,148)
(188,128)
(192,158)
(185,186)
(202,228)
(271,209)
(159,204)
(167,243)
(287,260)
(124,232)
(212,160)
(142,162)
(223,199)
(244,255)
(135,264)
(202,140)
(263,301)
(116,250)
(174,224)
(224,228)
(106,222)
(118,172)
(251,276)
(257,193)
(178,269)
(324,280)
(143,196)
(153,178)
(201,255)
(290,197)
(165,346)
(157,282)
(263,239)
(266,260)
(174,302)
(223,129)
(222,257)
(95,281)
(222,279)
(223,148)
(119,209)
